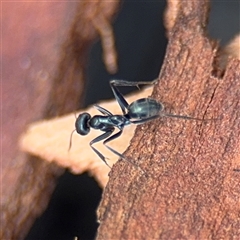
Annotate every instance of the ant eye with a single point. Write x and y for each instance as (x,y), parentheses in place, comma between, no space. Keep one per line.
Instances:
(81,124)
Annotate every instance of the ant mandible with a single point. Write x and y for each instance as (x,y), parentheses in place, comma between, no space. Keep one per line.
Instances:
(138,112)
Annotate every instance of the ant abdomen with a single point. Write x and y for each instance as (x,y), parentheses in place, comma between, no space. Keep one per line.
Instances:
(144,108)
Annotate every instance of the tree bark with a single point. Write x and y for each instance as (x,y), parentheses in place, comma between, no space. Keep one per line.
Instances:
(190,189)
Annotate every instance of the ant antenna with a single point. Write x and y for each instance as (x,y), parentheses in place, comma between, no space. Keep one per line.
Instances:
(70,142)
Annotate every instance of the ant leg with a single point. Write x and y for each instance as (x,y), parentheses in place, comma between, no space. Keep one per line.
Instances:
(119,97)
(102,110)
(140,121)
(118,134)
(123,83)
(98,139)
(189,118)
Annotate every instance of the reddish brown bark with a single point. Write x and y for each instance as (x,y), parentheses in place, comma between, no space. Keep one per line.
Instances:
(191,190)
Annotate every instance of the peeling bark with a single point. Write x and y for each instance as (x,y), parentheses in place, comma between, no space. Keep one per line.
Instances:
(191,190)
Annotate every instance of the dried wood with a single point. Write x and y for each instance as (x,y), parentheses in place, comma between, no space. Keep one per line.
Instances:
(191,190)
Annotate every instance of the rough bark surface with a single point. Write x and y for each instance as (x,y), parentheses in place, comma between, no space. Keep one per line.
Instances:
(191,190)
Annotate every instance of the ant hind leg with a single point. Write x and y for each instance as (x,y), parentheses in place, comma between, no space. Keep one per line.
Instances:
(118,134)
(118,95)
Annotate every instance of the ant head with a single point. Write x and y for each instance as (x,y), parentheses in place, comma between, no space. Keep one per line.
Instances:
(81,123)
(81,126)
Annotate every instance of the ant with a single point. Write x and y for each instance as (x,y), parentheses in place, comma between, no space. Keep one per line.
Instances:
(138,112)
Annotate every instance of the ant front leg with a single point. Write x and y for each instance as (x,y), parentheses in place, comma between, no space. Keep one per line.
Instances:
(98,139)
(118,134)
(122,83)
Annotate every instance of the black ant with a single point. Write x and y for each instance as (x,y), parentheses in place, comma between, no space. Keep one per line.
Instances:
(138,112)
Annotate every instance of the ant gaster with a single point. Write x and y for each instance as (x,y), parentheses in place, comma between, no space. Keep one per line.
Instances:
(138,112)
